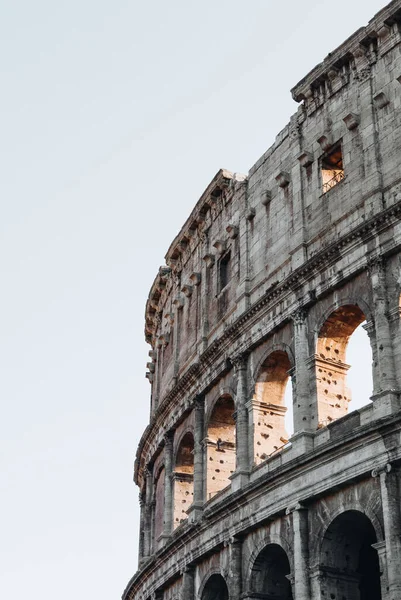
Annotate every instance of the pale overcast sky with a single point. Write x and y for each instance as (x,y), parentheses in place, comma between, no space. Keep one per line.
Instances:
(115,117)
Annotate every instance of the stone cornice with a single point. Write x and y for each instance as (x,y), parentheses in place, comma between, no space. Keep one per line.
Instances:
(197,378)
(378,32)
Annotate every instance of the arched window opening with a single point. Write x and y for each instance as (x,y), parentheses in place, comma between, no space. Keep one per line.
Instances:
(333,391)
(215,589)
(183,479)
(220,446)
(159,505)
(272,392)
(269,576)
(348,564)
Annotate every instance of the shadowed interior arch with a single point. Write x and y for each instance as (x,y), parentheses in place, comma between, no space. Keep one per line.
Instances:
(269,407)
(269,574)
(183,479)
(333,392)
(220,455)
(348,562)
(215,589)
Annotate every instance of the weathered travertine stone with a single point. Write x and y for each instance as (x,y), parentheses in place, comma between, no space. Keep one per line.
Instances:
(262,290)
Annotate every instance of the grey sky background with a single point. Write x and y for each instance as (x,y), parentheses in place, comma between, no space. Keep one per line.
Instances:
(115,117)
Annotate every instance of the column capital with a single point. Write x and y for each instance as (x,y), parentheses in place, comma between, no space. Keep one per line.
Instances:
(382,470)
(168,440)
(199,402)
(298,506)
(239,361)
(299,316)
(375,264)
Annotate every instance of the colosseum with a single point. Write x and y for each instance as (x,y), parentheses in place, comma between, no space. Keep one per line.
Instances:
(262,290)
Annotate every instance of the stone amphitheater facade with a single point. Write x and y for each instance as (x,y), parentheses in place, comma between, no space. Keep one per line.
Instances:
(267,280)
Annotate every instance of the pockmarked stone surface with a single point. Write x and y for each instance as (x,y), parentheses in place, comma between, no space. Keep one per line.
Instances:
(262,290)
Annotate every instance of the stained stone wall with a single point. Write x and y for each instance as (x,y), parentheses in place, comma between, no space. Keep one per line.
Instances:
(263,288)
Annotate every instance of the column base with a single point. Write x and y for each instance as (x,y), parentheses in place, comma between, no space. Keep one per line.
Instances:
(386,403)
(195,512)
(163,539)
(302,443)
(239,479)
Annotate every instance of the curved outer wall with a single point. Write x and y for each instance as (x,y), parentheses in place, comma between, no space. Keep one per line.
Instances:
(265,283)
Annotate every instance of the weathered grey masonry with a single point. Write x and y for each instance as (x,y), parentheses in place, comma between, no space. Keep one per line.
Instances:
(263,287)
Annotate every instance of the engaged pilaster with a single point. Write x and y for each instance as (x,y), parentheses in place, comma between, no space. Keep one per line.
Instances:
(188,583)
(147,524)
(390,496)
(195,510)
(168,486)
(241,474)
(301,551)
(305,393)
(387,400)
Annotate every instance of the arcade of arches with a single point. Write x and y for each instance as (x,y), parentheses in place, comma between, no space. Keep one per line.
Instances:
(267,411)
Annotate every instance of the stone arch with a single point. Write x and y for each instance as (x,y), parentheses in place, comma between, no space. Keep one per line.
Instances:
(271,347)
(183,475)
(178,440)
(271,538)
(368,509)
(346,300)
(269,405)
(348,562)
(214,572)
(220,445)
(215,588)
(223,391)
(269,572)
(332,337)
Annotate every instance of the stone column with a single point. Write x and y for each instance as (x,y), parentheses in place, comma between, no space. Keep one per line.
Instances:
(188,583)
(168,485)
(387,400)
(195,510)
(301,551)
(305,391)
(141,549)
(392,527)
(236,583)
(241,474)
(147,526)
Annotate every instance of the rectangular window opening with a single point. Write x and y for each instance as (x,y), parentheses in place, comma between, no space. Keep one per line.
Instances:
(332,168)
(225,270)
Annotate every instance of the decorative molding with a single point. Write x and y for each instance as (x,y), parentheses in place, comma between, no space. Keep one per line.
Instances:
(209,260)
(220,246)
(381,100)
(351,121)
(187,289)
(283,179)
(266,197)
(232,231)
(326,141)
(306,159)
(195,278)
(250,214)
